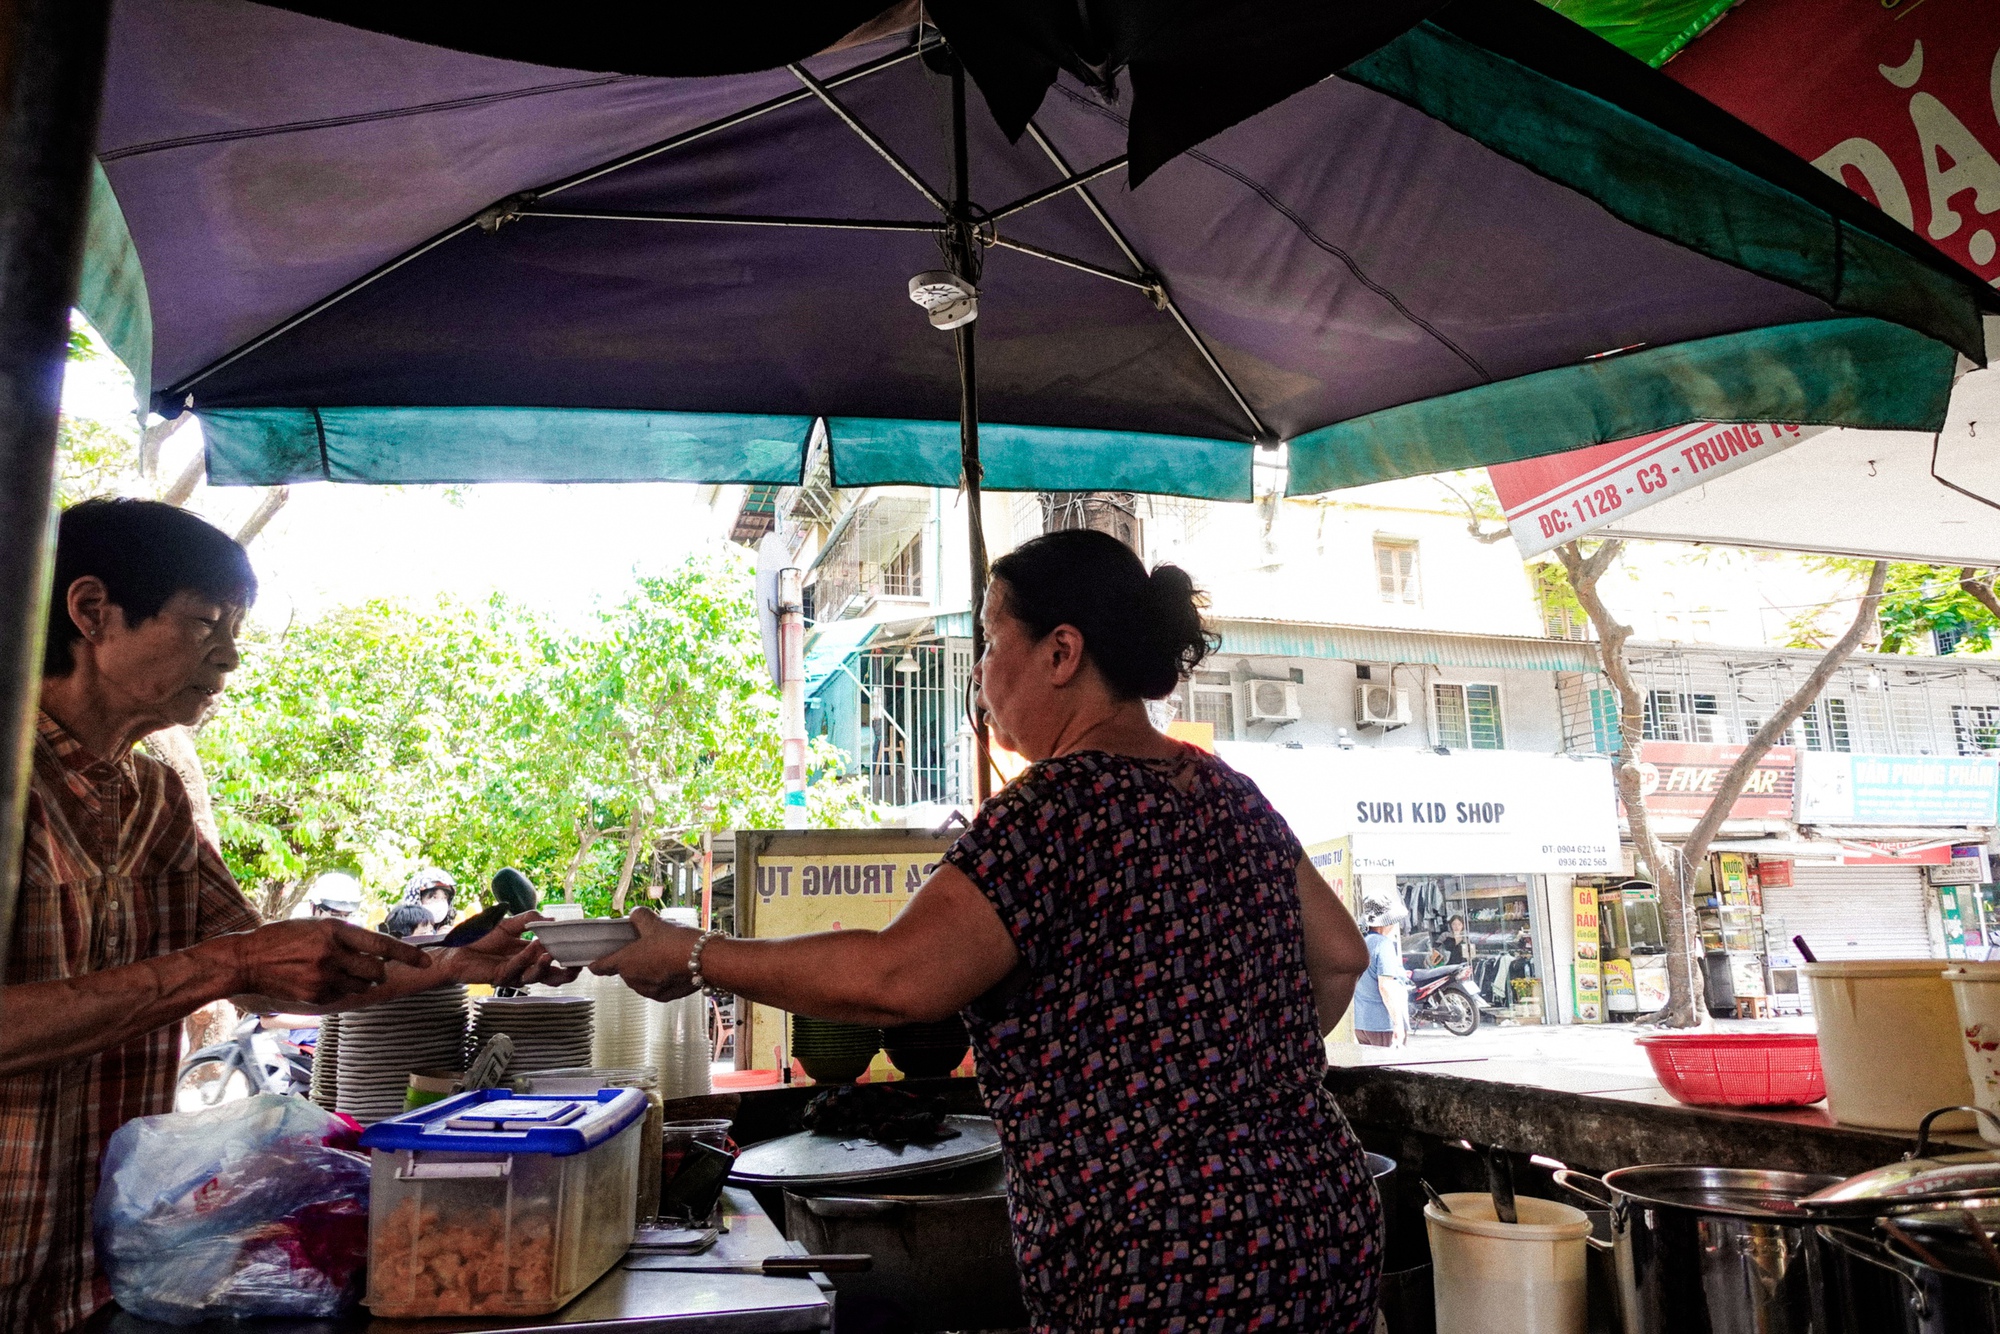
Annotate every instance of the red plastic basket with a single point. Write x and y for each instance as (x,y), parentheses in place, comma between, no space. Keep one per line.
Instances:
(1738,1069)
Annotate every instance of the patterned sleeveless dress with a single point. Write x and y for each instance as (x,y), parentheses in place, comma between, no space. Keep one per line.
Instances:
(1154,1064)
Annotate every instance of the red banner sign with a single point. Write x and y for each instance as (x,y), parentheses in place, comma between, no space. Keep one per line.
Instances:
(1681,778)
(1559,497)
(1900,99)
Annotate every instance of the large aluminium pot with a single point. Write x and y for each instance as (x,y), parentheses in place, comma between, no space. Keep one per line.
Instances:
(1949,1284)
(944,1257)
(1726,1250)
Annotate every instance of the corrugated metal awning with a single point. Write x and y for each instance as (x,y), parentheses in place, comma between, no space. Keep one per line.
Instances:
(1365,643)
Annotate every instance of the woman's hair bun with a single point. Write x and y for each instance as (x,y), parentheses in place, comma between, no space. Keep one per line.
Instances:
(1143,631)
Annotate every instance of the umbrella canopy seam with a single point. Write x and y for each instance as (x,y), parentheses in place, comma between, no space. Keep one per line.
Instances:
(357,118)
(1278,206)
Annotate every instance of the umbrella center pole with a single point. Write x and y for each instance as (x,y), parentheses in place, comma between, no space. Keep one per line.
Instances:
(962,254)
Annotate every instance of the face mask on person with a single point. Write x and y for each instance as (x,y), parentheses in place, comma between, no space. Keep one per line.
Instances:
(438,906)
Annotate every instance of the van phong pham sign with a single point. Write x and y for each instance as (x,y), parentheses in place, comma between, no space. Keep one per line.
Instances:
(791,882)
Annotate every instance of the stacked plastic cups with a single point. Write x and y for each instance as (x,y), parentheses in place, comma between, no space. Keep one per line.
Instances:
(677,1041)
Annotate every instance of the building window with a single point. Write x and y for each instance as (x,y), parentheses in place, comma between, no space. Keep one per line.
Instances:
(1947,639)
(903,576)
(1682,716)
(1468,717)
(1396,570)
(1604,723)
(1976,728)
(1824,726)
(1212,699)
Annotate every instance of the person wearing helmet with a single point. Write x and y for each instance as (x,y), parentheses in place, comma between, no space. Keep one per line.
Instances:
(433,890)
(334,894)
(1382,997)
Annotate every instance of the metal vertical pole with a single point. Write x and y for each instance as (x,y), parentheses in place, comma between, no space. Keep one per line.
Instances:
(792,691)
(51,72)
(968,420)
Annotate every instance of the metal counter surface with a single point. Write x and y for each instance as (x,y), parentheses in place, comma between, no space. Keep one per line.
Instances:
(625,1301)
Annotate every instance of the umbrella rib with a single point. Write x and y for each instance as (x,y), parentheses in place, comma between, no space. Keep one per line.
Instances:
(730,121)
(1146,285)
(1063,187)
(1158,286)
(868,136)
(181,387)
(741,220)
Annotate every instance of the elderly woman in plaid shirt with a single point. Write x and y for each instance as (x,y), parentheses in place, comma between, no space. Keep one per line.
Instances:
(126,920)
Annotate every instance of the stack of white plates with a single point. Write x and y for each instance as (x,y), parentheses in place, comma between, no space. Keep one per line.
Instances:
(380,1047)
(325,1058)
(549,1032)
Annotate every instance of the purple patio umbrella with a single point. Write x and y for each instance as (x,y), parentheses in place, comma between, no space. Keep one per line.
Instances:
(1490,236)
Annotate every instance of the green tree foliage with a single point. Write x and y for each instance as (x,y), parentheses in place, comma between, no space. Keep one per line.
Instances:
(1917,601)
(93,457)
(385,737)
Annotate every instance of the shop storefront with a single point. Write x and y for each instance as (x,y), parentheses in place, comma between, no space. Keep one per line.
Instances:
(1483,849)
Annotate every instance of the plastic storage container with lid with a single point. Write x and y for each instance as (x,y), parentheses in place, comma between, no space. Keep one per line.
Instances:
(495,1203)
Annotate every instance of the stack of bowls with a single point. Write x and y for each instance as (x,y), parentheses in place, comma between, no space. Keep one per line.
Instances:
(548,1032)
(619,1013)
(378,1049)
(326,1052)
(832,1052)
(923,1051)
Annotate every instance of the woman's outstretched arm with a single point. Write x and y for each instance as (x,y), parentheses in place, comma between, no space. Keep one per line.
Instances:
(942,952)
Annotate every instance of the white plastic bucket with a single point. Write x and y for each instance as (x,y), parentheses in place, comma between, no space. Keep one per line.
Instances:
(1491,1277)
(1889,1043)
(1976,988)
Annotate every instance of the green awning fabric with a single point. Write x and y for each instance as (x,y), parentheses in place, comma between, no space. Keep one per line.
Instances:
(1827,373)
(111,291)
(1652,30)
(832,646)
(880,452)
(1663,184)
(275,446)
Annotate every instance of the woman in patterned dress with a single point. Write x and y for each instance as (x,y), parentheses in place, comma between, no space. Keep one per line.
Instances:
(1148,965)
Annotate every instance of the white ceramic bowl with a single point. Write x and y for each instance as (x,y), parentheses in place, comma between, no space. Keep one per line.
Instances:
(576,943)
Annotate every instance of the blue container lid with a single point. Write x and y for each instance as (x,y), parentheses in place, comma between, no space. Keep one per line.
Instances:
(497,1121)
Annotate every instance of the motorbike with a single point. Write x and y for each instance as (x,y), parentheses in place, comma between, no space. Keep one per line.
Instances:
(254,1060)
(1446,997)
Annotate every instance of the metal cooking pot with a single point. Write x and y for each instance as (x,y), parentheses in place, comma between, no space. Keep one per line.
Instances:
(944,1256)
(1721,1249)
(1950,1283)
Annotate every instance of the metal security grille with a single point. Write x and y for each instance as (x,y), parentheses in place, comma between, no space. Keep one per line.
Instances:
(875,551)
(1468,716)
(912,711)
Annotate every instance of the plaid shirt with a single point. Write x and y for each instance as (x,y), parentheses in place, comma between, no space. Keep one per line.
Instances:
(114,872)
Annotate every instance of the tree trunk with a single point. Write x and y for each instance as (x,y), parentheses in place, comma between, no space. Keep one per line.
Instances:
(1979,590)
(1673,870)
(174,747)
(1658,860)
(1788,713)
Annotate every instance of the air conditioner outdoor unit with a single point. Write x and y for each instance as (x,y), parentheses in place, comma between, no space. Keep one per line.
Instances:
(1274,701)
(1376,705)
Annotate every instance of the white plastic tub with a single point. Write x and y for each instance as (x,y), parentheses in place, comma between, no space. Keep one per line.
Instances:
(1491,1277)
(1976,988)
(1889,1042)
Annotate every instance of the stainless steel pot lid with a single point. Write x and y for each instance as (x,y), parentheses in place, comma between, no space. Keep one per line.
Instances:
(1733,1192)
(1912,1184)
(806,1159)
